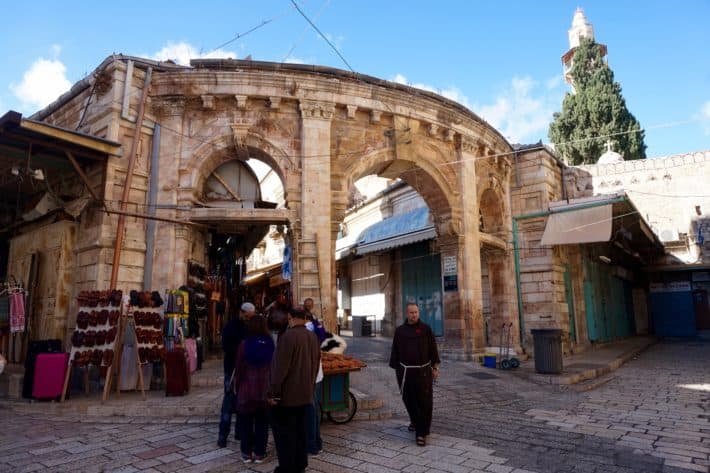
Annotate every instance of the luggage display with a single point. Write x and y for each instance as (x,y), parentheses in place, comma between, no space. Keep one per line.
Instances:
(50,369)
(34,348)
(191,348)
(177,373)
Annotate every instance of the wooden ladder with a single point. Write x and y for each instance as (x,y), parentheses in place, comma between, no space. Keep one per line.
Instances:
(308,271)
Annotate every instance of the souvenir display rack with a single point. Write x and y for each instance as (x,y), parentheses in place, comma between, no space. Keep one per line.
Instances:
(144,316)
(94,338)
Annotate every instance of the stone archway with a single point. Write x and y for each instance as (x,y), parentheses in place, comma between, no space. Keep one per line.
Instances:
(319,128)
(496,262)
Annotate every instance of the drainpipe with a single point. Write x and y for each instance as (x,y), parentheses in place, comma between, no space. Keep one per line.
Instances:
(516,248)
(152,201)
(120,227)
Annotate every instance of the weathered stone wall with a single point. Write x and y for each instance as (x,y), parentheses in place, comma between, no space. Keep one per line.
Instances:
(54,245)
(320,130)
(665,190)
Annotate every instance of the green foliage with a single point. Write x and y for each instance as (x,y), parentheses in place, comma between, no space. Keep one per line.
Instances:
(595,113)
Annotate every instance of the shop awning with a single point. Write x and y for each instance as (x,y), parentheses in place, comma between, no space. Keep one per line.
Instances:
(38,158)
(586,225)
(609,218)
(260,274)
(397,231)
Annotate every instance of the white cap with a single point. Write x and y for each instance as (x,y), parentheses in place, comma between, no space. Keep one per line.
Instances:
(248,307)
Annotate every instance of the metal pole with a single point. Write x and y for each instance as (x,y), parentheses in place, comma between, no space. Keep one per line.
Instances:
(152,201)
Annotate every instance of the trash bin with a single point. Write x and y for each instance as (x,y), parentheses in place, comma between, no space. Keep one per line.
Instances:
(357,323)
(548,350)
(366,328)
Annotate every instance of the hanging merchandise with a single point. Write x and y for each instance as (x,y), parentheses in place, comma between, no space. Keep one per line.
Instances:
(286,271)
(94,338)
(17,311)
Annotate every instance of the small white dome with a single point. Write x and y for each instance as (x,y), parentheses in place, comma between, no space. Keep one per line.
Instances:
(610,156)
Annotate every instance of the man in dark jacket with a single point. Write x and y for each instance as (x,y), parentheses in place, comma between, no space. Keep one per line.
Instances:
(293,377)
(232,335)
(416,359)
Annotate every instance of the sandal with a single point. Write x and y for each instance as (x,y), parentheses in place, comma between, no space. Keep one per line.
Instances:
(421,441)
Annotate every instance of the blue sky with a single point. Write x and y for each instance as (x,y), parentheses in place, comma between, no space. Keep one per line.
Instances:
(500,59)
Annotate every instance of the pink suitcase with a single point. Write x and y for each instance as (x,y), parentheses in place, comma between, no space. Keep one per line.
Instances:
(50,370)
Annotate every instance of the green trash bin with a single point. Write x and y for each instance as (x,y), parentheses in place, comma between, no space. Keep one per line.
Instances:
(548,350)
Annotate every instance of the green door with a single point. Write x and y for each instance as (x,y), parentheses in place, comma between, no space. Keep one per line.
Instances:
(596,301)
(569,295)
(421,283)
(590,300)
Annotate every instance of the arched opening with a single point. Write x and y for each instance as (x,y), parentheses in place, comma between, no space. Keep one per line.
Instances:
(240,203)
(387,253)
(495,268)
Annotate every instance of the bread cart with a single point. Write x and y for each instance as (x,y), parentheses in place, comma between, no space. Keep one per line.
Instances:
(336,400)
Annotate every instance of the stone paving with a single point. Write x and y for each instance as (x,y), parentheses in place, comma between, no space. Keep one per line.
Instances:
(649,417)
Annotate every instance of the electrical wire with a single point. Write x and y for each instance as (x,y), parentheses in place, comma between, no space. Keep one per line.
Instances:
(251,30)
(345,61)
(293,46)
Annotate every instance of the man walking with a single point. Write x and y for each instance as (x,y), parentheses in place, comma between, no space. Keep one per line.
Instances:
(415,358)
(232,335)
(293,376)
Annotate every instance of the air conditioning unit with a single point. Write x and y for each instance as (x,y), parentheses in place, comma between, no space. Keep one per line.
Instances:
(669,234)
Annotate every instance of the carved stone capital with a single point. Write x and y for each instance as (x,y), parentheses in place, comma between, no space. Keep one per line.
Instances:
(375,116)
(433,129)
(449,226)
(239,134)
(316,110)
(207,102)
(241,101)
(274,103)
(469,145)
(450,134)
(168,106)
(351,111)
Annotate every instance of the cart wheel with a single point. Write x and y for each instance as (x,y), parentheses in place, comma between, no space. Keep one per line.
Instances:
(514,363)
(505,364)
(341,416)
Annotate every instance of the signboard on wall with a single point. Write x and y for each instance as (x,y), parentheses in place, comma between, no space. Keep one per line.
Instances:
(451,283)
(679,286)
(450,266)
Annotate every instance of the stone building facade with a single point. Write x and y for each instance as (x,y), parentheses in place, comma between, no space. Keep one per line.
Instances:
(320,130)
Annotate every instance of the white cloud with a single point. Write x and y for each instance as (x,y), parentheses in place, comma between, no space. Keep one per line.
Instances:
(181,52)
(520,112)
(451,93)
(294,60)
(43,82)
(705,117)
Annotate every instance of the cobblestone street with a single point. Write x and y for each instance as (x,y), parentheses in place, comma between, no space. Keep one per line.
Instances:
(650,416)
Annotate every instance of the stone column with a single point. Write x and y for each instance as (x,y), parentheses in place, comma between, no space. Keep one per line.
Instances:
(469,253)
(169,113)
(316,209)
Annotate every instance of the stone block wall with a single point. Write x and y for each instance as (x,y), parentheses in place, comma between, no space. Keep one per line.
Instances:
(665,190)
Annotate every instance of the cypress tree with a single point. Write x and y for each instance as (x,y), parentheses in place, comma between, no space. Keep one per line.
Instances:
(595,113)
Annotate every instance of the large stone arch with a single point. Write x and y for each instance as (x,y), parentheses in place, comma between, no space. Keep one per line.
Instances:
(320,129)
(211,154)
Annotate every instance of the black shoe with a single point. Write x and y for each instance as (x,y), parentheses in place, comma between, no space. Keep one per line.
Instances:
(222,443)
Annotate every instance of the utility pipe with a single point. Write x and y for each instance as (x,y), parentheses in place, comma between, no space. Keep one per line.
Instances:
(120,227)
(152,201)
(516,248)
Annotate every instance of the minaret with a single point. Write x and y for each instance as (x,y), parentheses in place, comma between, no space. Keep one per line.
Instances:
(581,28)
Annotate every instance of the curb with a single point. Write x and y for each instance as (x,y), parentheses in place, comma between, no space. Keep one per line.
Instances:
(594,373)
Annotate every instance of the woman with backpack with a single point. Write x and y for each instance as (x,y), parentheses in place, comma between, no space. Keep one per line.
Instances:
(252,372)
